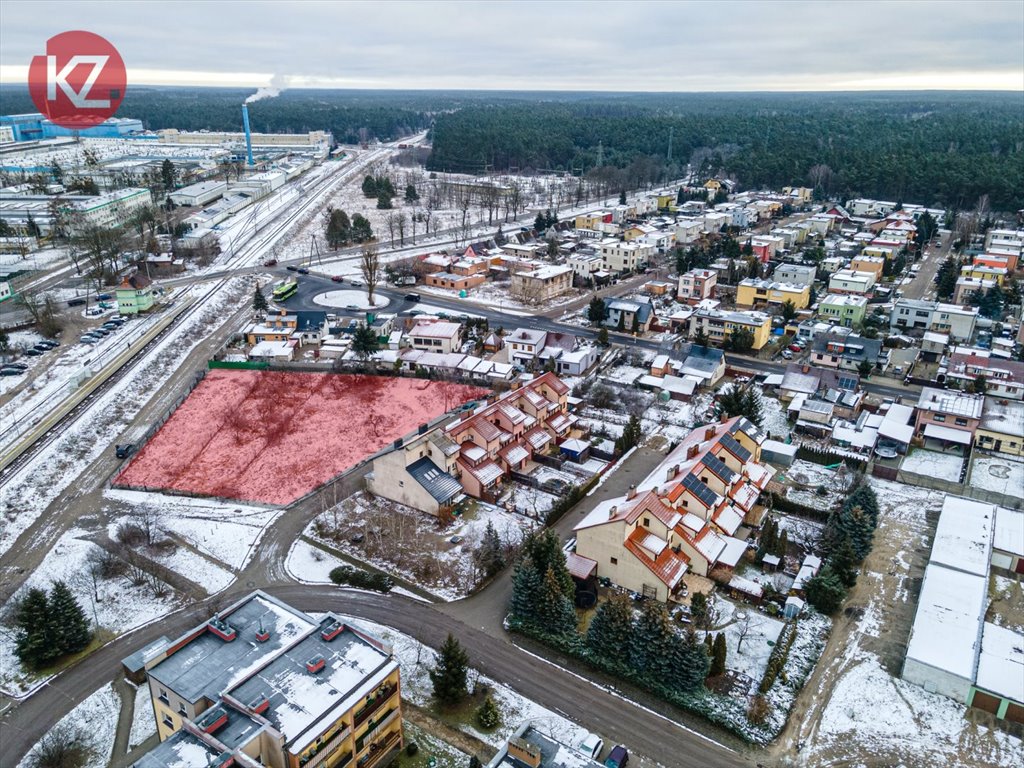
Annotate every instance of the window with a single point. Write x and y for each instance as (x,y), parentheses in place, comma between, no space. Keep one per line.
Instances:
(168,721)
(163,696)
(938,417)
(961,422)
(181,710)
(615,561)
(647,522)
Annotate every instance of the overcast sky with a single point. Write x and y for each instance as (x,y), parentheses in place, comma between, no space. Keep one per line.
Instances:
(621,45)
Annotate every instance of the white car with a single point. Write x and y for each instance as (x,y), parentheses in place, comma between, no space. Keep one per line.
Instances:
(591,745)
(787,355)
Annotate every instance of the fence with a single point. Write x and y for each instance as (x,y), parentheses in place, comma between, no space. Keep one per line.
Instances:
(239,365)
(959,489)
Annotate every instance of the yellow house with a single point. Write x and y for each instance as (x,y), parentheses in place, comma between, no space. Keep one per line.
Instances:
(593,220)
(880,251)
(712,185)
(751,291)
(718,325)
(264,684)
(1002,427)
(667,200)
(868,263)
(981,272)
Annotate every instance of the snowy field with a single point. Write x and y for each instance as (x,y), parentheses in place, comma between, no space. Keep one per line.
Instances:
(95,720)
(752,656)
(311,565)
(999,473)
(143,720)
(944,466)
(115,604)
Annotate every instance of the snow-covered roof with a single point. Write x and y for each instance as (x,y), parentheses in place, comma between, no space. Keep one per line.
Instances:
(951,401)
(895,423)
(438,330)
(940,432)
(746,586)
(963,535)
(1001,665)
(728,519)
(947,627)
(733,551)
(1009,531)
(1004,416)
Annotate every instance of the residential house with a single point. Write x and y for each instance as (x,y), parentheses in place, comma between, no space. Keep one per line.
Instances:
(695,367)
(751,292)
(300,328)
(873,251)
(542,283)
(436,336)
(697,285)
(909,314)
(1003,378)
(948,417)
(843,309)
(577,362)
(421,474)
(848,281)
(718,325)
(796,274)
(503,436)
(531,748)
(586,265)
(1002,429)
(848,351)
(982,272)
(682,518)
(134,294)
(618,256)
(453,281)
(866,263)
(967,286)
(804,381)
(630,315)
(689,231)
(263,684)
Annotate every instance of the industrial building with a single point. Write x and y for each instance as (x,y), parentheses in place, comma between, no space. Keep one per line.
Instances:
(36,127)
(106,210)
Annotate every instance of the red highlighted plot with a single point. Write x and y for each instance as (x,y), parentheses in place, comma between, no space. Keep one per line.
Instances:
(271,437)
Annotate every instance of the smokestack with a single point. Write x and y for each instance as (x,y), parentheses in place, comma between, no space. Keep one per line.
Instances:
(248,134)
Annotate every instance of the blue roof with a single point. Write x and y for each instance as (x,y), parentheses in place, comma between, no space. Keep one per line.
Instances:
(438,483)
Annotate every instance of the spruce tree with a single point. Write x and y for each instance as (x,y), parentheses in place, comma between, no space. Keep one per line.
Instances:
(489,557)
(825,591)
(855,526)
(690,663)
(370,186)
(555,613)
(411,195)
(526,585)
(546,551)
(449,674)
(259,301)
(35,645)
(651,642)
(699,609)
(718,655)
(609,634)
(488,716)
(70,626)
(622,197)
(782,544)
(843,562)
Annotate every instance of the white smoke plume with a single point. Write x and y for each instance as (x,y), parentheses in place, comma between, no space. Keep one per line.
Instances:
(278,83)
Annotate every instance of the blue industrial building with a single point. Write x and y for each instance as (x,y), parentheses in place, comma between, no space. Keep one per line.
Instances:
(33,127)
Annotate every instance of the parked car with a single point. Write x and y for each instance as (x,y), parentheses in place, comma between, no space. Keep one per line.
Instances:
(292,268)
(11,371)
(270,263)
(104,297)
(19,366)
(32,352)
(76,302)
(101,331)
(591,746)
(455,540)
(88,339)
(337,279)
(303,271)
(49,343)
(357,284)
(795,348)
(124,450)
(618,757)
(787,355)
(412,297)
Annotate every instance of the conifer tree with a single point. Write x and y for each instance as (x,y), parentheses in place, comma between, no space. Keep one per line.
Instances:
(70,626)
(526,585)
(555,613)
(855,526)
(488,716)
(449,674)
(546,551)
(259,301)
(489,557)
(370,186)
(690,662)
(844,563)
(782,544)
(35,645)
(825,591)
(718,655)
(651,651)
(609,634)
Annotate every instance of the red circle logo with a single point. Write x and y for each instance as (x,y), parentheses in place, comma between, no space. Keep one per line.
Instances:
(81,80)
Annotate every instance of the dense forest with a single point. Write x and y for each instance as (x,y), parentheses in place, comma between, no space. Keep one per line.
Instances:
(942,148)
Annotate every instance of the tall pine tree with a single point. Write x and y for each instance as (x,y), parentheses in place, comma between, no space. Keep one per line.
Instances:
(449,674)
(718,655)
(609,634)
(35,645)
(526,586)
(855,526)
(555,613)
(70,626)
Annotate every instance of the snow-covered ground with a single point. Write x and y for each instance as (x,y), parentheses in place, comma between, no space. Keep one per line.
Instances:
(55,467)
(95,720)
(752,656)
(945,466)
(143,719)
(773,417)
(349,299)
(311,565)
(999,473)
(416,660)
(115,604)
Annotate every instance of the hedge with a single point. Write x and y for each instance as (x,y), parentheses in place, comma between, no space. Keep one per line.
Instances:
(819,456)
(356,577)
(779,654)
(784,504)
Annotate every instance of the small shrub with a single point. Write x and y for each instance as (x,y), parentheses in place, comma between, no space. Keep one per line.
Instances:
(131,534)
(62,747)
(488,715)
(412,748)
(356,577)
(758,710)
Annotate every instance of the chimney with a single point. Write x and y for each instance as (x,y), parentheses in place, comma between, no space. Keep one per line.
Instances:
(709,433)
(524,752)
(807,368)
(613,511)
(672,471)
(631,493)
(261,634)
(691,451)
(248,134)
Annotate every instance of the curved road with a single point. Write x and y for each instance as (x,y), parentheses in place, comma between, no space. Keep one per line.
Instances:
(647,732)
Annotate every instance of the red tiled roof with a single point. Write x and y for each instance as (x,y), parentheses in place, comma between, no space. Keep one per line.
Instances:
(669,566)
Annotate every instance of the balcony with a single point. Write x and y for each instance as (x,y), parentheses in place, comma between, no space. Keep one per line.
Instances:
(325,750)
(380,697)
(374,728)
(380,751)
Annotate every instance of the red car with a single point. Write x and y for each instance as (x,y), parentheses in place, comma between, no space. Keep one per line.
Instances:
(795,348)
(270,263)
(338,278)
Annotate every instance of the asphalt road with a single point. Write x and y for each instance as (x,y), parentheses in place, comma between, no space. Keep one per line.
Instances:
(647,732)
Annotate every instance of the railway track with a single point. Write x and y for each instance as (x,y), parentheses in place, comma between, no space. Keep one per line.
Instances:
(276,227)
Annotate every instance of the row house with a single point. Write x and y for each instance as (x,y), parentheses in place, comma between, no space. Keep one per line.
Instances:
(587,266)
(697,285)
(503,436)
(868,263)
(1002,429)
(796,274)
(948,417)
(967,287)
(1004,378)
(684,516)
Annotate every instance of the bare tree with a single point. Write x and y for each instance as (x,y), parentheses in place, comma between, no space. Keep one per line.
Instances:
(744,626)
(43,310)
(369,266)
(400,222)
(391,220)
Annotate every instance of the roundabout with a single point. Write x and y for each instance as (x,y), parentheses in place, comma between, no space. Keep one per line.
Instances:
(350,299)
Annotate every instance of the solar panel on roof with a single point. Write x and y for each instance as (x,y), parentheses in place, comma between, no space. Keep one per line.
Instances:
(735,448)
(701,491)
(718,466)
